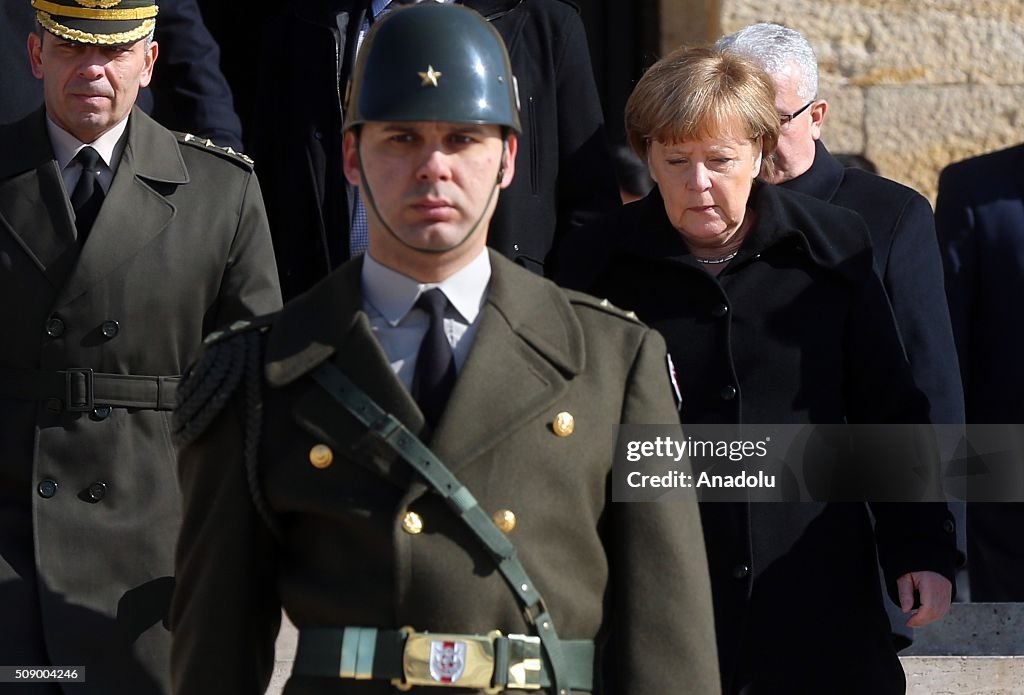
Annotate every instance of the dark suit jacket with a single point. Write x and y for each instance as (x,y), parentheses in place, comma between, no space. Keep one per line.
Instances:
(902,230)
(631,573)
(564,173)
(796,329)
(180,246)
(980,220)
(188,92)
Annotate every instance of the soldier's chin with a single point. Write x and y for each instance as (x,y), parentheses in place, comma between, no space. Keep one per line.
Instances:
(438,238)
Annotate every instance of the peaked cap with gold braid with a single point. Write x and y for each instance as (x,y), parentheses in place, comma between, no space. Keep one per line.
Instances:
(101,22)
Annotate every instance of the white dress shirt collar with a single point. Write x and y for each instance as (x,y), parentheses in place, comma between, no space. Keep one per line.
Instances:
(393,294)
(109,145)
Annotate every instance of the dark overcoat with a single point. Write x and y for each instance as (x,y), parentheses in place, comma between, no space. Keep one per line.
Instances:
(89,502)
(796,329)
(630,574)
(564,173)
(902,229)
(980,218)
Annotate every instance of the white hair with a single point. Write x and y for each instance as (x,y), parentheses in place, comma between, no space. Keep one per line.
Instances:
(774,48)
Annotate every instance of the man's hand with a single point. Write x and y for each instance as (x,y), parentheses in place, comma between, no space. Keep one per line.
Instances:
(935,592)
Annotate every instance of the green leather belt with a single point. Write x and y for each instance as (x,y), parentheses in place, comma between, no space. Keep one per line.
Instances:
(80,390)
(491,663)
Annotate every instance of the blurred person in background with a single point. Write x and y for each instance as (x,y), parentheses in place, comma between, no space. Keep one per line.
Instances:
(980,220)
(566,176)
(899,220)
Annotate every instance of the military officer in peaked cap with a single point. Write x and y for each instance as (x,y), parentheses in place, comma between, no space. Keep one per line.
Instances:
(493,561)
(121,245)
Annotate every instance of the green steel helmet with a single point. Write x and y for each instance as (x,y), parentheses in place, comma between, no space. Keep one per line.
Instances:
(433,62)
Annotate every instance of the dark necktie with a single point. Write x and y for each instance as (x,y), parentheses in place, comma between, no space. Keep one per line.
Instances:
(435,364)
(87,197)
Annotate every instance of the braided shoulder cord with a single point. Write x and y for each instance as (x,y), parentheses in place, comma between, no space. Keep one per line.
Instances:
(253,431)
(207,388)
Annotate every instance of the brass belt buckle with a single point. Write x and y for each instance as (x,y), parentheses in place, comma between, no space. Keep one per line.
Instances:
(448,660)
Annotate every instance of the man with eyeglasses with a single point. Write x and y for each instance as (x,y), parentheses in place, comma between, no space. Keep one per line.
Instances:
(899,219)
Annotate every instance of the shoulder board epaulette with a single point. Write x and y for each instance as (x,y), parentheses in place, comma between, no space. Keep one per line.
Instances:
(601,305)
(257,323)
(208,145)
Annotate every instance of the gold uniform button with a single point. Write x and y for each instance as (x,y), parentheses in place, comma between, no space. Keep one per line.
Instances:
(564,424)
(505,520)
(321,456)
(412,523)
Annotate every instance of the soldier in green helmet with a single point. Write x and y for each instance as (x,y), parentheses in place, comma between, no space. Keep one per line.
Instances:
(414,458)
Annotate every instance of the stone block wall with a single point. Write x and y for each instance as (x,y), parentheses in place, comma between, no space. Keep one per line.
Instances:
(912,84)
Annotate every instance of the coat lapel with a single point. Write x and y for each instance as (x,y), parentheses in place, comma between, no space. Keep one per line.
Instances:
(528,346)
(133,213)
(328,323)
(34,208)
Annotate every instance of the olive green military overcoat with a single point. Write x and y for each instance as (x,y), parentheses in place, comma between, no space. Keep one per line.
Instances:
(632,576)
(89,501)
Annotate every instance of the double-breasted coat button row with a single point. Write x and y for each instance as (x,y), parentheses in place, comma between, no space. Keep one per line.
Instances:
(55,327)
(504,519)
(47,488)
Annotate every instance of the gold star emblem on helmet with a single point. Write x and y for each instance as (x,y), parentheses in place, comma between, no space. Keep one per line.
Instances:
(429,77)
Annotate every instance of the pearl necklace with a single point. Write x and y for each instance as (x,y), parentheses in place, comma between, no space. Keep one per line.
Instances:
(716,261)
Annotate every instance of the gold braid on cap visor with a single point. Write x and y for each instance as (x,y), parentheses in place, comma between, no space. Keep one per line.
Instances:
(86,13)
(98,3)
(120,38)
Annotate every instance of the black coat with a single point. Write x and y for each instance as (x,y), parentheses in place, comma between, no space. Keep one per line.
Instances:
(564,174)
(180,246)
(902,230)
(188,92)
(980,220)
(796,329)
